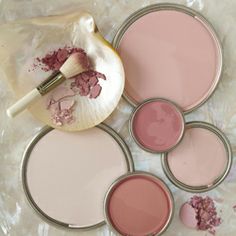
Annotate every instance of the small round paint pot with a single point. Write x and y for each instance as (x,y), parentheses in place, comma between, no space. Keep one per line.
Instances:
(66,175)
(201,161)
(139,204)
(169,51)
(157,125)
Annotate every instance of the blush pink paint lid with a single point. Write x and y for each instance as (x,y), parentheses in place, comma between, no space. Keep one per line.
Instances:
(170,53)
(157,125)
(139,204)
(200,159)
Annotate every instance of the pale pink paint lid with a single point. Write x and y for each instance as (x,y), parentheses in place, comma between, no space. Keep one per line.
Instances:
(201,161)
(139,204)
(169,51)
(66,175)
(157,125)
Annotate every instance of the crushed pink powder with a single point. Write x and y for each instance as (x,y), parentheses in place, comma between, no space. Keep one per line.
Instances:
(53,60)
(84,84)
(206,213)
(61,104)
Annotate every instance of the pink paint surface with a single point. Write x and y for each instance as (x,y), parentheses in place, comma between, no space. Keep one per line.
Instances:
(172,55)
(158,125)
(139,206)
(199,159)
(68,174)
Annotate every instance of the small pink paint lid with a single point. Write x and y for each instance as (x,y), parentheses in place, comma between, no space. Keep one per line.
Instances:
(201,161)
(139,204)
(157,125)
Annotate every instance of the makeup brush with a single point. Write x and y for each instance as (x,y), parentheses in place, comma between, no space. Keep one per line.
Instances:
(74,65)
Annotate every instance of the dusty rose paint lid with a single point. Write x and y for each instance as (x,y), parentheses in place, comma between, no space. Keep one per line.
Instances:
(169,51)
(138,204)
(201,161)
(65,182)
(157,125)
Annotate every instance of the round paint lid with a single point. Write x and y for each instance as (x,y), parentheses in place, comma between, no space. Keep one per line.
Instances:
(201,161)
(66,175)
(139,204)
(157,125)
(169,51)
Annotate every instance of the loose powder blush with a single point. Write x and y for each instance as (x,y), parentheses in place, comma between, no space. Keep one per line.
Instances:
(139,204)
(66,175)
(157,125)
(200,213)
(169,52)
(201,160)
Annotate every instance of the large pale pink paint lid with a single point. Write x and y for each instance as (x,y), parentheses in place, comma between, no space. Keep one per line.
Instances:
(66,174)
(139,204)
(169,51)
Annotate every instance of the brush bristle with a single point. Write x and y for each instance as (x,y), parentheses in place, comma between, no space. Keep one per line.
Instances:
(74,65)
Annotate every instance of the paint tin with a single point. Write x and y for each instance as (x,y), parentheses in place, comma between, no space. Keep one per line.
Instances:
(178,69)
(157,125)
(55,184)
(202,161)
(131,198)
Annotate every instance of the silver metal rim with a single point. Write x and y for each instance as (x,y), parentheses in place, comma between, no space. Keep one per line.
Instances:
(26,156)
(171,6)
(140,106)
(219,180)
(137,173)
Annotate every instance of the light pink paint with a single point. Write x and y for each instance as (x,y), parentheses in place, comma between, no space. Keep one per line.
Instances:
(170,54)
(158,125)
(139,205)
(199,159)
(68,174)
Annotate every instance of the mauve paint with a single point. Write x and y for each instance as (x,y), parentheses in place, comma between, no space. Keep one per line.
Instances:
(200,159)
(68,174)
(170,54)
(138,205)
(157,125)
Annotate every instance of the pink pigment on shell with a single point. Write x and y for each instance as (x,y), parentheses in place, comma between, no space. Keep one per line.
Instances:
(61,106)
(84,84)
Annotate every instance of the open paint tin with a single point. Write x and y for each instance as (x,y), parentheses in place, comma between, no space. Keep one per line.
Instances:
(66,175)
(157,125)
(139,204)
(201,161)
(169,51)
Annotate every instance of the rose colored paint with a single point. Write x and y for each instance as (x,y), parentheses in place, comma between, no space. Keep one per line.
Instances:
(68,174)
(157,125)
(139,205)
(200,159)
(170,54)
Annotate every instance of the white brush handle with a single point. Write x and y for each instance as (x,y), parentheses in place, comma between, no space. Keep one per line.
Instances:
(24,102)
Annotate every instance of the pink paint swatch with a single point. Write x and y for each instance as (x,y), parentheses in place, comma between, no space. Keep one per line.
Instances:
(139,205)
(199,159)
(158,125)
(170,54)
(68,174)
